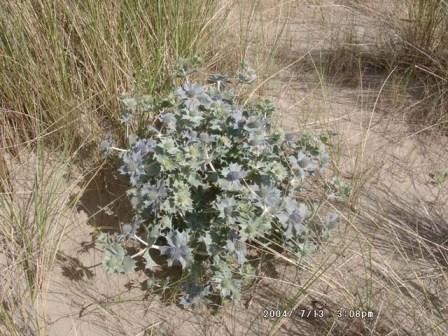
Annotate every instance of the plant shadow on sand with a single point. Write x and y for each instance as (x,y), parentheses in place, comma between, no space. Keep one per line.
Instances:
(105,201)
(73,268)
(106,206)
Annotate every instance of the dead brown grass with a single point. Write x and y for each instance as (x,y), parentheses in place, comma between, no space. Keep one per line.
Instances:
(408,37)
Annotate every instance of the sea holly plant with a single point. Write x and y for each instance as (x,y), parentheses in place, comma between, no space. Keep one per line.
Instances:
(338,189)
(246,74)
(209,178)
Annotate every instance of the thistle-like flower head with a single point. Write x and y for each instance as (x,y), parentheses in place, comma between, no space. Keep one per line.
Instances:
(178,252)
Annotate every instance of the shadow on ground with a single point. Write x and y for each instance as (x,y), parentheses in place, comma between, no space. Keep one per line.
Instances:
(106,207)
(105,201)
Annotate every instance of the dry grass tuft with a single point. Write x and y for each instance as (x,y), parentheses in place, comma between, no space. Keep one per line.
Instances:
(413,237)
(34,206)
(409,37)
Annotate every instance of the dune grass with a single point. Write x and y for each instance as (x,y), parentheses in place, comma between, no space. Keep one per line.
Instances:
(34,214)
(408,37)
(63,63)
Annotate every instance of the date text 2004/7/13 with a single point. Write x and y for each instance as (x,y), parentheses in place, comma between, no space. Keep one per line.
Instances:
(296,313)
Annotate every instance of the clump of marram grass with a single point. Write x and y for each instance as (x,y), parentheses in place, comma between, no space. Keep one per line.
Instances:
(34,204)
(63,62)
(210,177)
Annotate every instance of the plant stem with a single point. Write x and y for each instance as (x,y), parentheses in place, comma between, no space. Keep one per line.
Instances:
(140,240)
(118,149)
